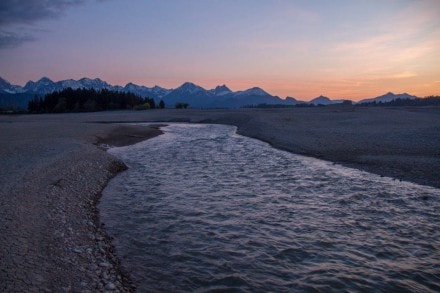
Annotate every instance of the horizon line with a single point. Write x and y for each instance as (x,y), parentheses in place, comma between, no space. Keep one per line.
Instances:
(204,88)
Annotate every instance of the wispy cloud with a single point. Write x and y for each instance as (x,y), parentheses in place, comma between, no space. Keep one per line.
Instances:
(30,11)
(26,13)
(411,30)
(404,46)
(11,40)
(365,44)
(398,75)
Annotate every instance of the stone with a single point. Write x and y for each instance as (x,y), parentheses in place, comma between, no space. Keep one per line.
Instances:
(110,286)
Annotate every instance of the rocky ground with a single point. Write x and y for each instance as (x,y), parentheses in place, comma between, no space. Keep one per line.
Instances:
(54,167)
(51,238)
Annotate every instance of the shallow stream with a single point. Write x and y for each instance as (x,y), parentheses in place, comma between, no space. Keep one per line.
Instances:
(203,209)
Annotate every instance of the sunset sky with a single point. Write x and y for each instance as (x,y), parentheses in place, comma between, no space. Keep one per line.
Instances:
(342,49)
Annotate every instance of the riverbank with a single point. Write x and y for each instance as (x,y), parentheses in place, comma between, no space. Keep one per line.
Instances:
(52,175)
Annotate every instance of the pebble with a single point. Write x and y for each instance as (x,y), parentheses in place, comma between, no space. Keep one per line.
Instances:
(104,264)
(110,286)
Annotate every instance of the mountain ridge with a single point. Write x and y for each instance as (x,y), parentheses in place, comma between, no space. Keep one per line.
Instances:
(191,93)
(388,97)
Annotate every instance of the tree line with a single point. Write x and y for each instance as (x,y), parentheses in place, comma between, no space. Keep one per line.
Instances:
(418,102)
(427,101)
(90,100)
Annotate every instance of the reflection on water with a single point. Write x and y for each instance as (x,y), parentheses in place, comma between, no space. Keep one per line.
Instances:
(202,208)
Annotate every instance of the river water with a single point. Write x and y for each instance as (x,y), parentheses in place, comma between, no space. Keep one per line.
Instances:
(204,209)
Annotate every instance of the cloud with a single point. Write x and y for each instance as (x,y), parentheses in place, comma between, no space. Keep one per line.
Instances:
(17,16)
(28,12)
(12,40)
(399,75)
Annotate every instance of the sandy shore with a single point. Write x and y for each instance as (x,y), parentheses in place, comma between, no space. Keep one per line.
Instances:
(53,173)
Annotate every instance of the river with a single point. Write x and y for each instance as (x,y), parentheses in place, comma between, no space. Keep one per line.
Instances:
(202,208)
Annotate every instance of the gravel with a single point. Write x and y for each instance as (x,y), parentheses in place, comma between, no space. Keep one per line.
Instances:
(51,238)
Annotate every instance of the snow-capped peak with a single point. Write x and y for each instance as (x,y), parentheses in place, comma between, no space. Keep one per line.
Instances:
(220,90)
(7,87)
(4,82)
(131,86)
(44,81)
(190,88)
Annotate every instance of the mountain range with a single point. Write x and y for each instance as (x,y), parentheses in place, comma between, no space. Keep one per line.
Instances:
(196,96)
(388,97)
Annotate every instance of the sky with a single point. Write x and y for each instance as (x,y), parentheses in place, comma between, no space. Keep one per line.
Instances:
(343,49)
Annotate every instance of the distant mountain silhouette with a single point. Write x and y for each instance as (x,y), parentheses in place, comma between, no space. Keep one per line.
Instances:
(190,93)
(6,87)
(388,97)
(325,101)
(196,96)
(221,90)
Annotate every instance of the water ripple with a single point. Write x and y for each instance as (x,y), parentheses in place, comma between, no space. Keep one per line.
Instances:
(203,209)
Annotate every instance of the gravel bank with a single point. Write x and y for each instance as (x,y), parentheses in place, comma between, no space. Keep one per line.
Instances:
(52,175)
(51,238)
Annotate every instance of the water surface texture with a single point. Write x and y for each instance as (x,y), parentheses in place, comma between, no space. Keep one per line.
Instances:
(204,209)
